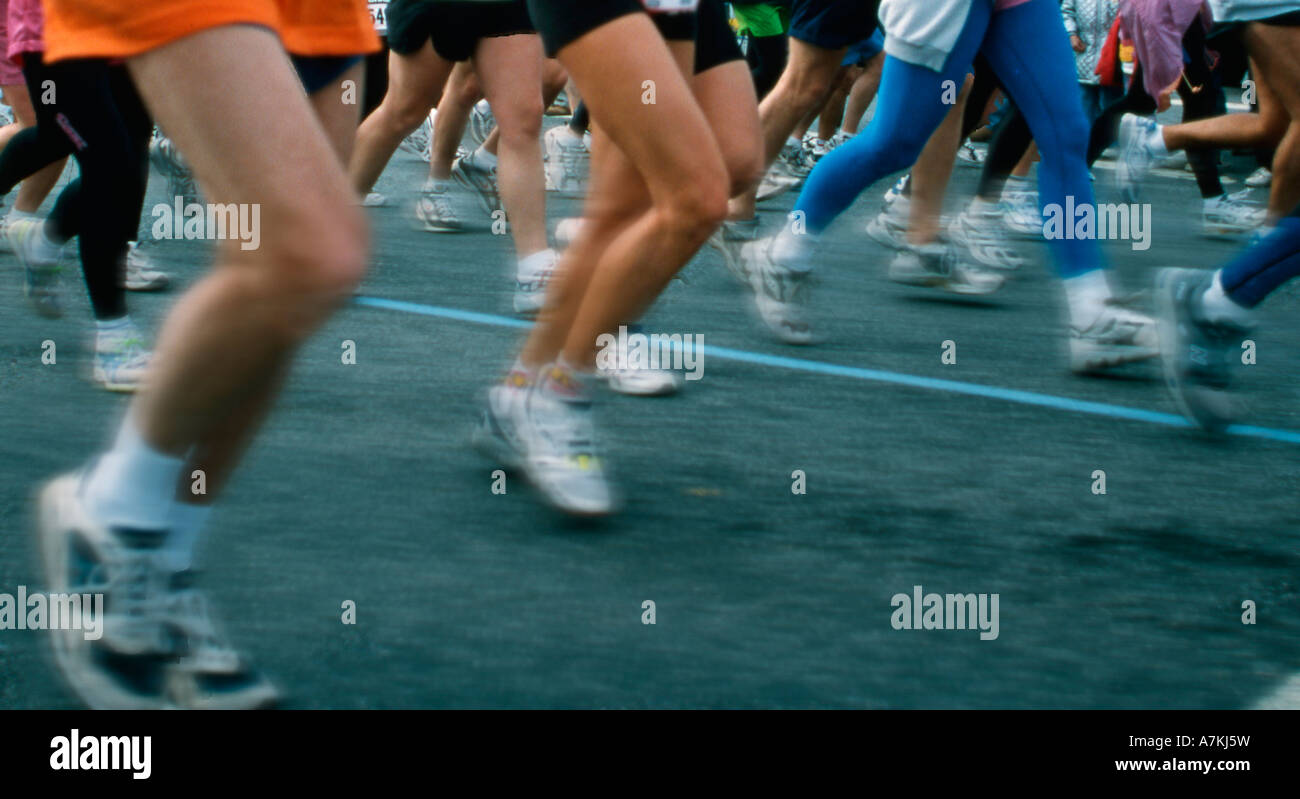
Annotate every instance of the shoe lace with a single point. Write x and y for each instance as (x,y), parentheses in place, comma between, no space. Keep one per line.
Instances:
(191,620)
(135,586)
(565,429)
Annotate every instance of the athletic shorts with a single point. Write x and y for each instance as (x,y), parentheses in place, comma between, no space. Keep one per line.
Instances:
(454,26)
(562,22)
(832,24)
(862,52)
(125,28)
(708,27)
(1289,19)
(681,27)
(10,74)
(761,20)
(318,71)
(715,42)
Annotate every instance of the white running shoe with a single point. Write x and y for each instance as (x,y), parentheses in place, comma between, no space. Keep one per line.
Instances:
(126,667)
(1135,156)
(1022,216)
(435,210)
(139,274)
(970,154)
(168,161)
(1231,215)
(1196,353)
(158,648)
(633,373)
(780,293)
(121,360)
(889,227)
(420,140)
(938,265)
(5,245)
(896,191)
(478,178)
(814,147)
(981,235)
(568,162)
(730,236)
(481,123)
(530,289)
(40,273)
(562,459)
(774,183)
(642,382)
(1116,337)
(498,435)
(1260,178)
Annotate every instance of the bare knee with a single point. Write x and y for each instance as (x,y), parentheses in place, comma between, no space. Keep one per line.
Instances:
(312,263)
(403,116)
(521,123)
(699,205)
(807,87)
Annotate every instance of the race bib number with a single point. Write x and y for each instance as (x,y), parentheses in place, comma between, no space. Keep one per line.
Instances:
(669,6)
(379,14)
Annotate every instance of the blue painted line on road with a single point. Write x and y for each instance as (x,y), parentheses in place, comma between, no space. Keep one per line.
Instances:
(1032,398)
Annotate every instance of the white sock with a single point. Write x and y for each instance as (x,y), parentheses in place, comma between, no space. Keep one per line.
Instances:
(1086,295)
(110,333)
(1155,142)
(978,206)
(1217,306)
(532,265)
(133,484)
(573,389)
(187,524)
(43,247)
(793,250)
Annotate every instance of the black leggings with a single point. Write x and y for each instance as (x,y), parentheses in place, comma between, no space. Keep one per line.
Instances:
(1196,105)
(97,117)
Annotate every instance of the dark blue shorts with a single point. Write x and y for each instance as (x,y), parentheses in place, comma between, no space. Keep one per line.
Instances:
(862,52)
(832,24)
(318,71)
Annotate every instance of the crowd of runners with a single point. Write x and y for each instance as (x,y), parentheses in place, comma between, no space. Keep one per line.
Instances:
(683,118)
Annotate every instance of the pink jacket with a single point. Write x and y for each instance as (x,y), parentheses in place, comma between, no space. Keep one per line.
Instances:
(26,27)
(1156,28)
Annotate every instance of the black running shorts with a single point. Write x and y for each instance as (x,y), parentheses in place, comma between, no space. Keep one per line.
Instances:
(454,26)
(562,22)
(715,42)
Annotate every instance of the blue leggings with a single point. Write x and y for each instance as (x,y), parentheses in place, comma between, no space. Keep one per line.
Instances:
(1027,47)
(1254,274)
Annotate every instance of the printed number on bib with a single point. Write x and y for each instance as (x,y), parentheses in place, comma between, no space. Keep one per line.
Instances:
(379,14)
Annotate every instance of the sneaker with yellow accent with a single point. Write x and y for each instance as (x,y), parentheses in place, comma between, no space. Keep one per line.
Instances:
(562,459)
(498,435)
